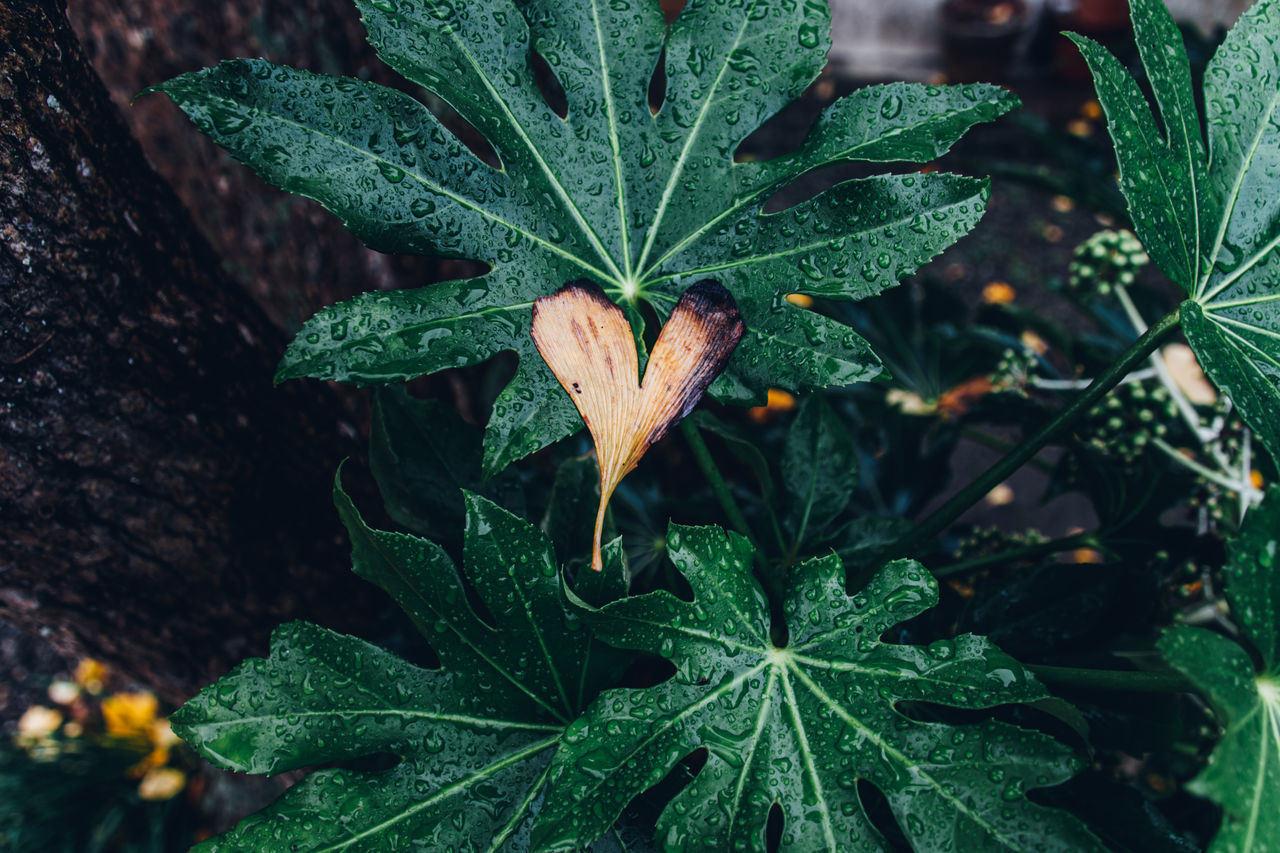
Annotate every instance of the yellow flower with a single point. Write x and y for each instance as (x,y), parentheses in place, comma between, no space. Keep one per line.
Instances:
(998,293)
(129,714)
(63,692)
(38,722)
(91,675)
(910,402)
(588,344)
(161,783)
(778,401)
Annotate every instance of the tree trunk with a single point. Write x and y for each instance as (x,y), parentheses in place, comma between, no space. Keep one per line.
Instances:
(161,505)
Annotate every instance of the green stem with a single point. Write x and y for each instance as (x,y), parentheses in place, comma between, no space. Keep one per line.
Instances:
(995,442)
(1113,679)
(1027,552)
(718,486)
(1241,489)
(974,492)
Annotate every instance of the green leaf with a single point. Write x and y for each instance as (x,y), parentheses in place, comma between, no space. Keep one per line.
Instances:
(819,465)
(644,204)
(1243,775)
(474,737)
(423,455)
(570,517)
(1211,223)
(742,446)
(1243,363)
(323,697)
(801,726)
(1253,579)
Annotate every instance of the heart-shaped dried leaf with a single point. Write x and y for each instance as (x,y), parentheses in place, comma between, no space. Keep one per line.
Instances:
(587,343)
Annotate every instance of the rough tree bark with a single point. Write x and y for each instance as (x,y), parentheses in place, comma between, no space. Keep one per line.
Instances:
(161,505)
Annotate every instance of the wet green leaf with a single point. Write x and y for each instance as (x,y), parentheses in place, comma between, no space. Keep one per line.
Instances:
(802,726)
(742,445)
(819,465)
(1243,775)
(1210,220)
(569,520)
(423,455)
(473,738)
(644,204)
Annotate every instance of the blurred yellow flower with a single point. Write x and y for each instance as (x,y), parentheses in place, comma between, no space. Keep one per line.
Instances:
(910,402)
(800,300)
(63,692)
(1079,127)
(998,293)
(91,675)
(778,401)
(130,714)
(1033,342)
(162,783)
(1001,495)
(38,722)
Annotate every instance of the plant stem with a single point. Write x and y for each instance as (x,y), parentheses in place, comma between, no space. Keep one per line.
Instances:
(718,486)
(1185,409)
(1027,552)
(1244,490)
(1113,679)
(993,476)
(995,442)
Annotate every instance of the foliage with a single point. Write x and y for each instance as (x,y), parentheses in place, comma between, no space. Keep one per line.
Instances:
(475,735)
(643,203)
(1209,217)
(1244,771)
(800,725)
(803,682)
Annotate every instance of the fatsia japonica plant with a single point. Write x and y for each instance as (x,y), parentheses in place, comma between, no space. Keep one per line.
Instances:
(603,675)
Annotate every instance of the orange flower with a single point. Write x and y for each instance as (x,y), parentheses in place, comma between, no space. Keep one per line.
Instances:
(91,675)
(998,293)
(958,400)
(588,344)
(778,401)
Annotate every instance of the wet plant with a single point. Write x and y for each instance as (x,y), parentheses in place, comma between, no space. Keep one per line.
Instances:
(801,680)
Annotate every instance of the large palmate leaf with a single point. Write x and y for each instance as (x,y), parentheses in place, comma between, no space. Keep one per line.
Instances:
(644,204)
(1243,775)
(475,737)
(423,455)
(803,725)
(1211,222)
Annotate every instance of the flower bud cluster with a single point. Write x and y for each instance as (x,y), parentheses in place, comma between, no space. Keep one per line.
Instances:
(1106,259)
(1122,425)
